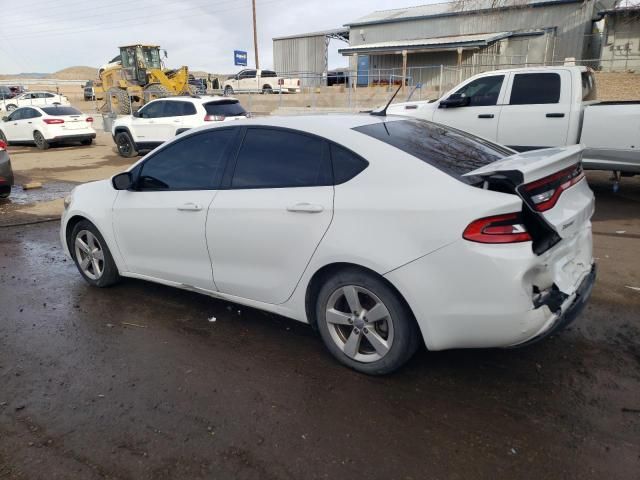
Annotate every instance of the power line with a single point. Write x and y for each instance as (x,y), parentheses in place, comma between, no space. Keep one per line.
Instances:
(58,28)
(68,32)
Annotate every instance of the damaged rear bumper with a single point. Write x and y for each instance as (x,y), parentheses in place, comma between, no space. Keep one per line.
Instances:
(567,307)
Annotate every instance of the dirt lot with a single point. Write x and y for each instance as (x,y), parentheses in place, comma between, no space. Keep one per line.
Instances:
(135,382)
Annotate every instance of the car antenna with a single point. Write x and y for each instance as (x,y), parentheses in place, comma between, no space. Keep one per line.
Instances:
(383,112)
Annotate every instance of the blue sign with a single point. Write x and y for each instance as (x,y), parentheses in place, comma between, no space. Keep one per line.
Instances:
(240,58)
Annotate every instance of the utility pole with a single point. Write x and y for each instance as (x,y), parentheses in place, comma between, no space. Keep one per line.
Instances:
(255,34)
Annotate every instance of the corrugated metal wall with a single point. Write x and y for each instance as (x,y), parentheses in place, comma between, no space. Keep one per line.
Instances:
(304,57)
(571,22)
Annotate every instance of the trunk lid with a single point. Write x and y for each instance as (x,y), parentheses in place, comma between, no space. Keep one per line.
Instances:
(552,185)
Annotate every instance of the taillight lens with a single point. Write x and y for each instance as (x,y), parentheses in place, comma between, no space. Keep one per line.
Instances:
(53,121)
(298,82)
(3,145)
(89,119)
(214,118)
(544,193)
(507,228)
(281,81)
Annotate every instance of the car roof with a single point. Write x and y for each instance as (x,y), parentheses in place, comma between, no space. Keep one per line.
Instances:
(197,99)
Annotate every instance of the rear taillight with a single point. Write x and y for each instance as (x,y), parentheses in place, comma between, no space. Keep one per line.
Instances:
(544,193)
(214,118)
(281,81)
(3,145)
(53,121)
(507,228)
(89,119)
(298,82)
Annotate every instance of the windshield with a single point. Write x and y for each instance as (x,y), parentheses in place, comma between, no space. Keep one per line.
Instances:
(452,151)
(150,57)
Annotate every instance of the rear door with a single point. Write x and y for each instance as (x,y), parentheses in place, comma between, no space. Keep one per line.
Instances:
(481,115)
(537,110)
(160,225)
(263,229)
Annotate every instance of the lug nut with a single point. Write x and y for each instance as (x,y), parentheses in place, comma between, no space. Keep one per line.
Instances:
(366,330)
(356,331)
(350,321)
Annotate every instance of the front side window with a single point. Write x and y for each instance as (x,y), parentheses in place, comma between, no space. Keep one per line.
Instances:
(272,158)
(152,110)
(535,89)
(194,163)
(17,115)
(483,91)
(248,74)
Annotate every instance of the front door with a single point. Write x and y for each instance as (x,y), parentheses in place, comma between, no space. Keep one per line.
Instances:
(160,224)
(480,115)
(263,230)
(15,128)
(148,125)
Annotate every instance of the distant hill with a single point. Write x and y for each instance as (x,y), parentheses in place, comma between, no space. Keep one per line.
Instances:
(76,73)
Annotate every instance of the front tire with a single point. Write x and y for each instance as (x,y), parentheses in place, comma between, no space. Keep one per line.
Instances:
(365,323)
(92,255)
(125,144)
(40,141)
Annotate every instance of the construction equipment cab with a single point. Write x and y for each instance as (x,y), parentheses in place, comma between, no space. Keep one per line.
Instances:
(137,76)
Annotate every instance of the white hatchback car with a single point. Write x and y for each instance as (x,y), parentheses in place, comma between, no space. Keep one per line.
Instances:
(44,126)
(34,99)
(164,118)
(381,232)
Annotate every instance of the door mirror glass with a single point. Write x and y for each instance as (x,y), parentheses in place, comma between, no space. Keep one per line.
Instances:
(455,100)
(122,181)
(5,119)
(138,114)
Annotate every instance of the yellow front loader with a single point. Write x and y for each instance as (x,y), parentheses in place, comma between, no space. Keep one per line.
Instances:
(137,76)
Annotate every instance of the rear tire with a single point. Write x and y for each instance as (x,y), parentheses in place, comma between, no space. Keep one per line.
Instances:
(228,91)
(92,255)
(365,323)
(125,145)
(40,141)
(88,141)
(267,90)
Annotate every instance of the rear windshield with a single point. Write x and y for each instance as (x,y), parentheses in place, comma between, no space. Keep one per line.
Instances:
(59,111)
(225,108)
(447,149)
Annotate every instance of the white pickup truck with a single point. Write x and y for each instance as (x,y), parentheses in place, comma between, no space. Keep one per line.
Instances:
(532,108)
(262,81)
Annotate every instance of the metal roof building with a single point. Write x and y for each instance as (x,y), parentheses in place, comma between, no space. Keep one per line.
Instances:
(306,55)
(621,45)
(472,33)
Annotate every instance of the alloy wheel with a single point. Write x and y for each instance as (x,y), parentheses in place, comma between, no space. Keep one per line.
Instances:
(359,323)
(124,145)
(89,254)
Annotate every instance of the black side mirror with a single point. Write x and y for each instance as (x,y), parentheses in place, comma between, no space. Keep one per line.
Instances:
(455,100)
(122,181)
(5,119)
(137,114)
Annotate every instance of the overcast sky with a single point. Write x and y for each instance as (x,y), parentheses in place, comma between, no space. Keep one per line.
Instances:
(48,35)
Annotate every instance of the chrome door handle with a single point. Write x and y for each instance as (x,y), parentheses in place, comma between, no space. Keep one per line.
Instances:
(190,207)
(305,208)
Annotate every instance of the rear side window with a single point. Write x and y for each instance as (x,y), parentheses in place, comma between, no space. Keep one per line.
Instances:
(535,88)
(225,108)
(268,74)
(271,158)
(195,163)
(58,111)
(346,164)
(452,151)
(178,109)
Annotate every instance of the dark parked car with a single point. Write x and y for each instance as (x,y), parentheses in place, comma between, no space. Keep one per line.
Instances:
(5,92)
(6,173)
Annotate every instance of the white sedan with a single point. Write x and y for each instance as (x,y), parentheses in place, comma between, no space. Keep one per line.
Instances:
(383,233)
(33,99)
(44,126)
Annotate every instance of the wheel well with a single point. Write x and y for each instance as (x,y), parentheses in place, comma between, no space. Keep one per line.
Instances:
(318,279)
(121,130)
(73,221)
(266,85)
